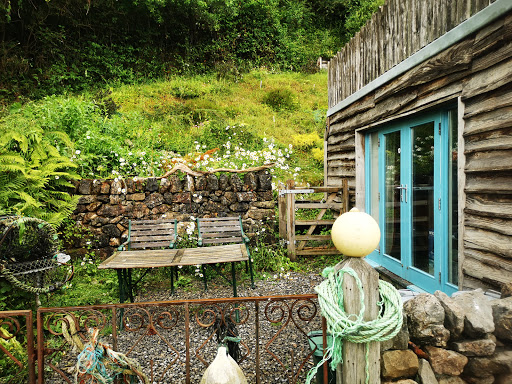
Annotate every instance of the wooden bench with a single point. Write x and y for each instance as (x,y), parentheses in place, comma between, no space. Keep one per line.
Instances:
(150,244)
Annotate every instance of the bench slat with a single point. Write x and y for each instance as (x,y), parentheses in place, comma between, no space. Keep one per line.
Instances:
(150,239)
(149,245)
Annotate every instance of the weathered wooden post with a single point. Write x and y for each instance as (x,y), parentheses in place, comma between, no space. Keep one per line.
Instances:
(356,234)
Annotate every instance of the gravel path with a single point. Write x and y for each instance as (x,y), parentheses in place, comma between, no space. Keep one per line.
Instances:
(283,345)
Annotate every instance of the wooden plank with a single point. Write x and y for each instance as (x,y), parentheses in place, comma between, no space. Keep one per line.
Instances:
(299,205)
(488,102)
(489,161)
(313,237)
(281,199)
(487,241)
(489,79)
(320,214)
(499,185)
(151,245)
(491,269)
(495,208)
(498,225)
(490,121)
(314,222)
(290,220)
(139,259)
(149,239)
(316,251)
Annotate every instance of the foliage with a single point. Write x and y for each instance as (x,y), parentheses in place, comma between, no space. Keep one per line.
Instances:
(50,47)
(10,371)
(35,170)
(280,99)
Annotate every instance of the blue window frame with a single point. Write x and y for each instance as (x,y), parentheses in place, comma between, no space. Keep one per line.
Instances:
(411,190)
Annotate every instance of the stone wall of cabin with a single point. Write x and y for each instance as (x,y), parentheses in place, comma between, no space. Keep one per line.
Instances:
(463,339)
(106,206)
(478,72)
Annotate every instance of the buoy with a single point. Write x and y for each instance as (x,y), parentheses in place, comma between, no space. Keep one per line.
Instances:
(223,370)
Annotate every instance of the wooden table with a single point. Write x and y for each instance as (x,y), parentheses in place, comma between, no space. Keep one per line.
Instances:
(125,261)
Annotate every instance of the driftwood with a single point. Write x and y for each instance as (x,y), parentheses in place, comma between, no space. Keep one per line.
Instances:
(183,168)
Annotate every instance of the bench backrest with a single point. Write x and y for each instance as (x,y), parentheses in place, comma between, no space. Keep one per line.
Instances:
(152,234)
(220,230)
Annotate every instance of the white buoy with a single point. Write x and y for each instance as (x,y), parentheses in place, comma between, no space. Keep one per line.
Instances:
(223,370)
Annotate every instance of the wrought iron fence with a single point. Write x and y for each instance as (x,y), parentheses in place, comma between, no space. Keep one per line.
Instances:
(174,341)
(17,347)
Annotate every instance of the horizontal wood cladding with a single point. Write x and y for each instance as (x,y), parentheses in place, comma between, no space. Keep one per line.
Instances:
(479,71)
(398,29)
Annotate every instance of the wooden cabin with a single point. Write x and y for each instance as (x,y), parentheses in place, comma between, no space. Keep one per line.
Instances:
(420,122)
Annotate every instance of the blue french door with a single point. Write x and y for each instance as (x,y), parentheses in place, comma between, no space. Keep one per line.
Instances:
(410,186)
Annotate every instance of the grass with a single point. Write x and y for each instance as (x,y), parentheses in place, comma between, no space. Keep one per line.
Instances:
(142,129)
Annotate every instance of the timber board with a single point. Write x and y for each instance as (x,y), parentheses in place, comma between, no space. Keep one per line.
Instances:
(175,257)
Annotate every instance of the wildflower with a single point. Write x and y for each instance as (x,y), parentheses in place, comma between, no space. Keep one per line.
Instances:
(77,151)
(87,137)
(56,177)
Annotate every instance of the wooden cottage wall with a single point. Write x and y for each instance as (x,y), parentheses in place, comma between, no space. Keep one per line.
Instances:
(478,72)
(399,29)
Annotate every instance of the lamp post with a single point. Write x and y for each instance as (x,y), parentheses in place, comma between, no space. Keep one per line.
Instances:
(356,234)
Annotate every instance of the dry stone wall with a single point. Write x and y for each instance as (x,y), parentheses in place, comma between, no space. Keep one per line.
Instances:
(463,339)
(106,206)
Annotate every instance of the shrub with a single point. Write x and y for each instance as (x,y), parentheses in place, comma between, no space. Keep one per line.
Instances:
(280,99)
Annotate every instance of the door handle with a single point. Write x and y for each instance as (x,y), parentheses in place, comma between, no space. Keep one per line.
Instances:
(402,188)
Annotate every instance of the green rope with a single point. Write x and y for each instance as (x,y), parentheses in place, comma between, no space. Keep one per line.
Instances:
(351,327)
(9,276)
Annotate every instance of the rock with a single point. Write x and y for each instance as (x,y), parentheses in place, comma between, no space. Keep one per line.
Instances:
(176,184)
(477,308)
(251,181)
(480,380)
(136,196)
(498,364)
(451,380)
(224,182)
(502,314)
(425,373)
(200,183)
(165,184)
(236,183)
(181,198)
(245,196)
(117,187)
(395,364)
(105,188)
(212,183)
(111,230)
(260,214)
(400,341)
(425,319)
(87,199)
(503,379)
(93,206)
(454,314)
(85,187)
(445,362)
(265,181)
(152,184)
(154,200)
(506,291)
(482,347)
(405,381)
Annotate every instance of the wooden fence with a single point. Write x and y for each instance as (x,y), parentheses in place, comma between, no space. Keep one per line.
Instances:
(387,39)
(288,223)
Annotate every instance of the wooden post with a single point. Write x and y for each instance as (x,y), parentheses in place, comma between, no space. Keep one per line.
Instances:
(290,221)
(352,371)
(281,200)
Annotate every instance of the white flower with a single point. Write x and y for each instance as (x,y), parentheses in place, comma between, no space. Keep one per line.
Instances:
(56,177)
(87,137)
(123,190)
(77,151)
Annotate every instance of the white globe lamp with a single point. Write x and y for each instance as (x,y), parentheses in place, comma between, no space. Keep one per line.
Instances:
(355,234)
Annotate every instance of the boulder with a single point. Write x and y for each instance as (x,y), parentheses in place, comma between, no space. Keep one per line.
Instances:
(451,380)
(478,319)
(425,319)
(152,184)
(506,291)
(480,380)
(445,362)
(395,364)
(454,314)
(498,364)
(401,339)
(425,373)
(482,347)
(502,314)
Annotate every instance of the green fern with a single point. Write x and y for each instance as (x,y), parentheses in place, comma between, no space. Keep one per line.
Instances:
(34,174)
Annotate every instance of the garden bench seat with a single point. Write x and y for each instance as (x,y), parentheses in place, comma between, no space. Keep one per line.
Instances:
(151,243)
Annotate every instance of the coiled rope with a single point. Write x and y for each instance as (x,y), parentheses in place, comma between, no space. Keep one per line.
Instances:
(350,327)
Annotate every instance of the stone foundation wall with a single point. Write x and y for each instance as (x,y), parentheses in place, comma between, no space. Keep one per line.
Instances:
(466,338)
(106,206)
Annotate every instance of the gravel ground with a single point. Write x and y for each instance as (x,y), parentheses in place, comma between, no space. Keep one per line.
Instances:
(283,326)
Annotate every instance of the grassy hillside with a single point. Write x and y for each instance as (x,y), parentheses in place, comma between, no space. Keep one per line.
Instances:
(205,122)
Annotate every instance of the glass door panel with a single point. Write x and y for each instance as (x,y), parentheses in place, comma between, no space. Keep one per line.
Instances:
(393,194)
(422,197)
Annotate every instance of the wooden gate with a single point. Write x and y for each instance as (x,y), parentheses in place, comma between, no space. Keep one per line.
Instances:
(297,244)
